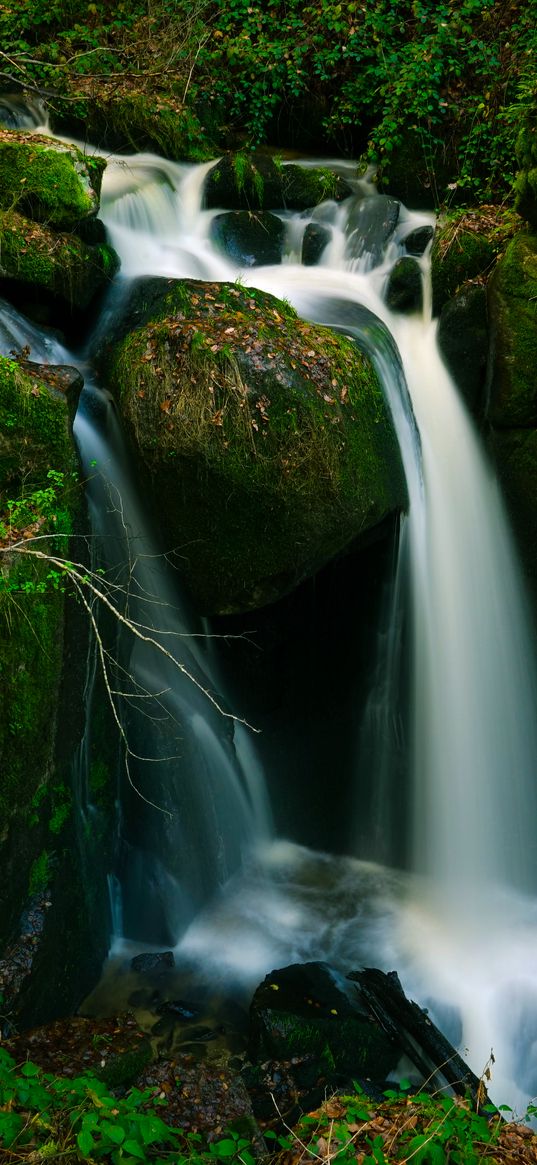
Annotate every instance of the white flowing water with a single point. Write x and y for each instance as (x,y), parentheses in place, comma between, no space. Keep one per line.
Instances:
(462,928)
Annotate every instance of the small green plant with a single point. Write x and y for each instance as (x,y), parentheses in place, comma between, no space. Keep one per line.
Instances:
(43,1116)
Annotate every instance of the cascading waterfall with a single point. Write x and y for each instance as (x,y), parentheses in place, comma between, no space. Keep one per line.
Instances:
(461,928)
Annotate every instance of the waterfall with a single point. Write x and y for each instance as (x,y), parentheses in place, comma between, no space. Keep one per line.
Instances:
(460,925)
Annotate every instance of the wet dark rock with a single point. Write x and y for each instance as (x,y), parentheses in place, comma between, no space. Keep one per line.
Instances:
(417,241)
(358,1026)
(250,239)
(316,238)
(179,1009)
(372,222)
(404,291)
(308,1010)
(255,181)
(463,342)
(146,964)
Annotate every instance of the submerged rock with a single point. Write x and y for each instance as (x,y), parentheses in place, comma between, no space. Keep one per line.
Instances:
(246,181)
(249,239)
(372,222)
(266,440)
(316,238)
(404,290)
(418,240)
(151,961)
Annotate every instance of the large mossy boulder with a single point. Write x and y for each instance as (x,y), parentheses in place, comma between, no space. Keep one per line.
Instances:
(266,440)
(512,299)
(246,181)
(56,272)
(47,180)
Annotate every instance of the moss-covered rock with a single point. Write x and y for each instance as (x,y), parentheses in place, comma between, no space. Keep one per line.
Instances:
(44,894)
(512,299)
(134,121)
(34,429)
(247,181)
(526,182)
(458,254)
(515,452)
(47,180)
(250,239)
(62,271)
(34,438)
(467,247)
(463,340)
(267,440)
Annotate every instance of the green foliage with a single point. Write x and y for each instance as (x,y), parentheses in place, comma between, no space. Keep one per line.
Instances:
(430,1130)
(446,83)
(44,1116)
(39,873)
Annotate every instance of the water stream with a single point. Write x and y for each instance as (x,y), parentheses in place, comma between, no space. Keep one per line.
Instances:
(460,925)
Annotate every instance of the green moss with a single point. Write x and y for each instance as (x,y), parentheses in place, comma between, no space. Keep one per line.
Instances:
(39,873)
(35,432)
(60,265)
(513,323)
(526,195)
(141,121)
(269,437)
(49,181)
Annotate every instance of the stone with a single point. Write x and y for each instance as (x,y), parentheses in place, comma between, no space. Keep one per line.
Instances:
(371,224)
(256,181)
(463,340)
(268,437)
(49,181)
(404,289)
(152,961)
(316,238)
(512,305)
(58,272)
(249,239)
(417,241)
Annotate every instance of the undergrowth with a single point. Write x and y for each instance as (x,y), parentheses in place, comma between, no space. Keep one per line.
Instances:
(47,1117)
(446,82)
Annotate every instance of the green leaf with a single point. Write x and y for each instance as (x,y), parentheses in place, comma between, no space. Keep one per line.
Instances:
(29,1069)
(115,1132)
(135,1149)
(225,1148)
(85,1142)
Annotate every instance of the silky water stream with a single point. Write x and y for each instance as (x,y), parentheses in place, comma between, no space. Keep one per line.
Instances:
(206,873)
